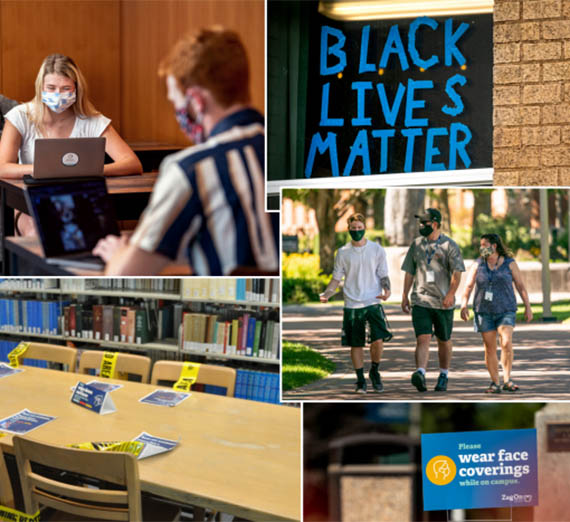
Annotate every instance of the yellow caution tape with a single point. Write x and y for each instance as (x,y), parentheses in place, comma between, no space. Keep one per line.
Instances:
(13,515)
(128,446)
(108,363)
(188,376)
(16,353)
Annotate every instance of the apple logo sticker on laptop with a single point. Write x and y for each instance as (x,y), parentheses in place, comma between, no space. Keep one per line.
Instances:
(70,159)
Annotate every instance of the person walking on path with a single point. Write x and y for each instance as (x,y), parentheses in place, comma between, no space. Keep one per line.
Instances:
(433,264)
(364,267)
(492,275)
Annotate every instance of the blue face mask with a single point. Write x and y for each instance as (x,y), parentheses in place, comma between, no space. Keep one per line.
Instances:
(58,101)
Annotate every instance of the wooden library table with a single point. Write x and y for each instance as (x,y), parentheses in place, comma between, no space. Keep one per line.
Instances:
(151,153)
(129,195)
(237,456)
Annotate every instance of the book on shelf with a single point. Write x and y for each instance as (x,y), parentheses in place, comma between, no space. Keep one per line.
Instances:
(35,317)
(126,284)
(231,289)
(236,333)
(107,322)
(257,386)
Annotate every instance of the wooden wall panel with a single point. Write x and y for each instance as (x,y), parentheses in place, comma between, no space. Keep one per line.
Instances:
(149,28)
(86,30)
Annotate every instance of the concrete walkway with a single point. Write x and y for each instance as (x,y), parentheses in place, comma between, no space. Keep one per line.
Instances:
(541,367)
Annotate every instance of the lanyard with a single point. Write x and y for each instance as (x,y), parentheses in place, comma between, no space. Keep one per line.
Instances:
(430,253)
(491,273)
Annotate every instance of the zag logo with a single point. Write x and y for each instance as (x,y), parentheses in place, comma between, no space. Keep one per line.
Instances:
(441,470)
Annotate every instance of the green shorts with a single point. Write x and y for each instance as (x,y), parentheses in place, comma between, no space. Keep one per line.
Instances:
(354,325)
(432,320)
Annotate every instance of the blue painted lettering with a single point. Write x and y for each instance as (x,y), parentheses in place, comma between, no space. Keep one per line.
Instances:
(334,50)
(394,45)
(317,144)
(412,49)
(361,88)
(453,96)
(412,104)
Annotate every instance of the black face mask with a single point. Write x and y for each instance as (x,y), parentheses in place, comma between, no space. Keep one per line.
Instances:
(426,230)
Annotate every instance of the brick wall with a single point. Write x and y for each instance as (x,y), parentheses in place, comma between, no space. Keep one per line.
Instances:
(531,94)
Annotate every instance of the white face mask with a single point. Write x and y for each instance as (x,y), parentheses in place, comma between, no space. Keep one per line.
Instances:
(58,101)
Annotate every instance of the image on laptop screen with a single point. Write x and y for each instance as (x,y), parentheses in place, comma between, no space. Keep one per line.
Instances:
(72,217)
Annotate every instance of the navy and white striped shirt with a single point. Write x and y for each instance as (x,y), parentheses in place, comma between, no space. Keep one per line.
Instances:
(208,204)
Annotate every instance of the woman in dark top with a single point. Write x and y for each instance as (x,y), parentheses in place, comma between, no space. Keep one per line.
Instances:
(495,306)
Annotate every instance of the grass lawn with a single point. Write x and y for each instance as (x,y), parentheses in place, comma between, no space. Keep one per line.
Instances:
(302,365)
(560,310)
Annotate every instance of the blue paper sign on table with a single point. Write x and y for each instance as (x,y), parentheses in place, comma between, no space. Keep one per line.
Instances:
(165,398)
(24,422)
(93,399)
(476,469)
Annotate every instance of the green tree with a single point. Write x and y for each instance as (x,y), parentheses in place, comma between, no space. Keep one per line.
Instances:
(329,206)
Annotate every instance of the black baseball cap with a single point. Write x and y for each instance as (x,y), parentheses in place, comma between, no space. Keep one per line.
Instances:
(431,214)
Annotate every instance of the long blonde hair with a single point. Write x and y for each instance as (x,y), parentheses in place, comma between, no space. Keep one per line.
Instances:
(64,66)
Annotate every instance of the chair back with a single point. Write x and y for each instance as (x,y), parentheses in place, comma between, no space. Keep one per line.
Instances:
(52,353)
(6,493)
(208,374)
(101,504)
(126,363)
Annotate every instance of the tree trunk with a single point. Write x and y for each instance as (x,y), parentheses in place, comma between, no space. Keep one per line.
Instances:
(323,202)
(378,206)
(481,206)
(400,206)
(442,197)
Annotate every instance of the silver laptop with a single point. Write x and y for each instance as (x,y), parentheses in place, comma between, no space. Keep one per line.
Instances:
(68,157)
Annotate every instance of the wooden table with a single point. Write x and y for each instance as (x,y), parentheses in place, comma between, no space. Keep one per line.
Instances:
(129,195)
(238,456)
(151,153)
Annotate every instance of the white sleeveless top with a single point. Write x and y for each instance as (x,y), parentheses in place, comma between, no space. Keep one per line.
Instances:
(91,127)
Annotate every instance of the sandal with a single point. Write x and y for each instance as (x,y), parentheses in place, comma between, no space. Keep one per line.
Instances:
(493,388)
(510,387)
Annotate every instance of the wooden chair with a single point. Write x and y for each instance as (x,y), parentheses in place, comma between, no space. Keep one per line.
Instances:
(6,492)
(52,353)
(126,362)
(101,504)
(208,374)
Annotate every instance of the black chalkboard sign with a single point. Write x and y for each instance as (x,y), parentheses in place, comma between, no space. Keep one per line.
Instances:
(391,96)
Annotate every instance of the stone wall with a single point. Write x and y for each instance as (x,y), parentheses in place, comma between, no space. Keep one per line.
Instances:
(531,93)
(553,466)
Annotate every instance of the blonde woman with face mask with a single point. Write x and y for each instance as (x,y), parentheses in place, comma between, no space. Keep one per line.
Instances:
(492,275)
(59,109)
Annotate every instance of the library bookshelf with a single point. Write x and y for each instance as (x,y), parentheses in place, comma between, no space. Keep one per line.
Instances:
(229,321)
(25,321)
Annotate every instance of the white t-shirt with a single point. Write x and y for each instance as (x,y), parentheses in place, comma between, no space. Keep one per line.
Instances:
(362,268)
(91,127)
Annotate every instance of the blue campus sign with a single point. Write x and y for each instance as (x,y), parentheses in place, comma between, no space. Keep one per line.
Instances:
(476,469)
(399,95)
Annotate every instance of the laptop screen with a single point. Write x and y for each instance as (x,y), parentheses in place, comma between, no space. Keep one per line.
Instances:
(72,217)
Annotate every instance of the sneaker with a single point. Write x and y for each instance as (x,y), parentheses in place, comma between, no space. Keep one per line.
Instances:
(441,383)
(376,381)
(419,381)
(360,387)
